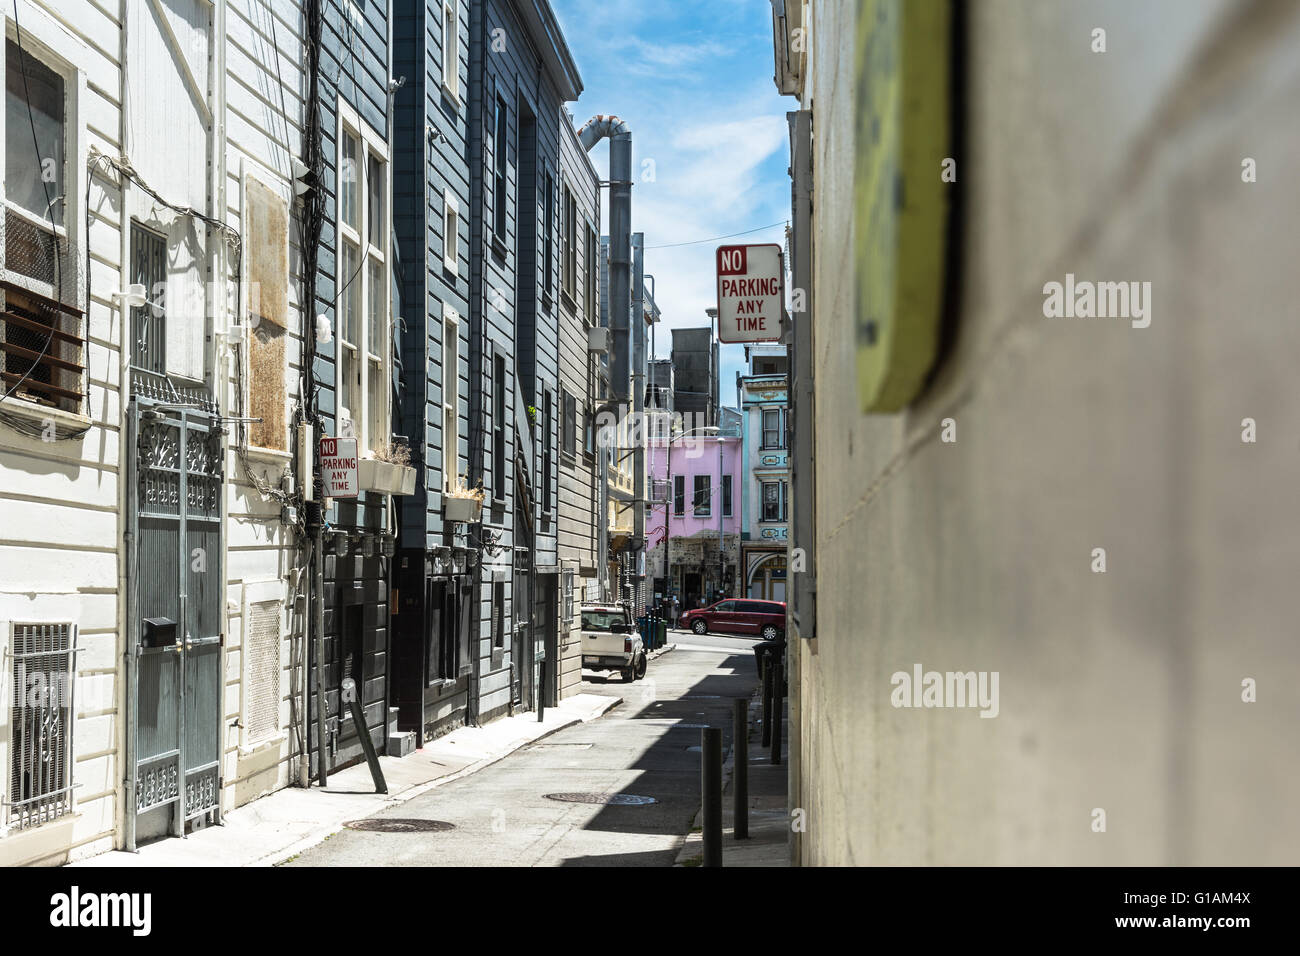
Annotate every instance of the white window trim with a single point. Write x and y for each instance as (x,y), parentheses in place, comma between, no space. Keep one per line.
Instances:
(450,400)
(58,49)
(363,418)
(450,236)
(451,64)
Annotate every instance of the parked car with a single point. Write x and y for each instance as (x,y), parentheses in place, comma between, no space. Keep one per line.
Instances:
(610,641)
(765,619)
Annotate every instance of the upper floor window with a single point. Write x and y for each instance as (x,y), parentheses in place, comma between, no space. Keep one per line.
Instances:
(450,397)
(702,502)
(41,358)
(569,248)
(773,428)
(592,291)
(548,236)
(726,496)
(364,362)
(679,494)
(774,501)
(451,48)
(499,146)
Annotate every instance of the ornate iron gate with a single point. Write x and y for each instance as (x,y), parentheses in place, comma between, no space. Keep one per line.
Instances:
(176,609)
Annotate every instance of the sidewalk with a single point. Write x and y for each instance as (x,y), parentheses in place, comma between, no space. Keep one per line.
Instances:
(274,828)
(769,818)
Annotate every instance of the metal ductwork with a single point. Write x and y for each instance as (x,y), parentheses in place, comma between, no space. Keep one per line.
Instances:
(620,242)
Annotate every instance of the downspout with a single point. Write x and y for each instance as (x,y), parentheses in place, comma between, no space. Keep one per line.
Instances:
(129,637)
(620,256)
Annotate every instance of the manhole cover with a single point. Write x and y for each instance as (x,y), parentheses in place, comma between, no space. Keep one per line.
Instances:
(399,825)
(612,799)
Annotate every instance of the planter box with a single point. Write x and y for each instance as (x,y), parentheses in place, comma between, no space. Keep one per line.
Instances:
(460,509)
(385,477)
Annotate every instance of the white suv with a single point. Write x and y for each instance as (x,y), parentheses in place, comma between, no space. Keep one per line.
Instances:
(610,641)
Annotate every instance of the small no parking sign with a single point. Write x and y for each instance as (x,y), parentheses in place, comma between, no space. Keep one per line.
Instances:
(339,468)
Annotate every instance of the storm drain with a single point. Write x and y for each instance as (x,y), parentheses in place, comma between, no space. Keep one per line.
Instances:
(399,825)
(609,799)
(562,746)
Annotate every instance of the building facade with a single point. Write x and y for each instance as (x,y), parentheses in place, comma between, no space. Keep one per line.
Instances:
(1074,504)
(763,397)
(693,534)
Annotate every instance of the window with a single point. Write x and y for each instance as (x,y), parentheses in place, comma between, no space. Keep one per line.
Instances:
(569,426)
(40,331)
(450,397)
(569,248)
(498,615)
(547,428)
(450,233)
(498,428)
(451,48)
(773,432)
(588,432)
(592,292)
(499,140)
(774,500)
(726,496)
(548,239)
(701,501)
(679,494)
(364,349)
(149,321)
(40,733)
(568,598)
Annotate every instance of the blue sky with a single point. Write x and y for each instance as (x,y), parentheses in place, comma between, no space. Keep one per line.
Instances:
(693,79)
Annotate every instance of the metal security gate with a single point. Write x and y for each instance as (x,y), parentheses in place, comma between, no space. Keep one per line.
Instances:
(175,613)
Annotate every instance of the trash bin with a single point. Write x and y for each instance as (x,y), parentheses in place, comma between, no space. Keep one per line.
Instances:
(662,637)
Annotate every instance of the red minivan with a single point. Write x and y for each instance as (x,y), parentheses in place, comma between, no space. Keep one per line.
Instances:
(765,619)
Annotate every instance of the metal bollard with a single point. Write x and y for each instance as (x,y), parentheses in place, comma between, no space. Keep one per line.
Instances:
(740,774)
(767,698)
(778,699)
(711,793)
(541,692)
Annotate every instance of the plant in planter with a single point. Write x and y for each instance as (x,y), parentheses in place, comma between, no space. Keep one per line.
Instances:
(388,470)
(461,502)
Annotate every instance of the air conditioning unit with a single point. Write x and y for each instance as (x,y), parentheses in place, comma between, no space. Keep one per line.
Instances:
(598,339)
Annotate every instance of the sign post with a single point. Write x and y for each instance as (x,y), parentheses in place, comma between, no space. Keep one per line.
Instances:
(340,471)
(751,293)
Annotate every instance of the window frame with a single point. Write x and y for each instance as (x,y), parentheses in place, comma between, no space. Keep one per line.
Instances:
(450,233)
(702,484)
(781,501)
(548,236)
(548,429)
(451,63)
(779,430)
(499,405)
(568,426)
(500,168)
(679,496)
(371,421)
(60,52)
(569,246)
(728,497)
(450,398)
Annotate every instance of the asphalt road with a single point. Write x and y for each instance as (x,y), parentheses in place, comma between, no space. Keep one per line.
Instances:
(501,815)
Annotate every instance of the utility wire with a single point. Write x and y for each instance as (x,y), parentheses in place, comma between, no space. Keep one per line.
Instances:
(696,242)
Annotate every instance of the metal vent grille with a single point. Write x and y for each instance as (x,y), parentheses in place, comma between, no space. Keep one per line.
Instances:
(262,645)
(41,722)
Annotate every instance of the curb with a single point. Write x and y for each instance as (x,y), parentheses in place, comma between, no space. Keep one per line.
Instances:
(307,843)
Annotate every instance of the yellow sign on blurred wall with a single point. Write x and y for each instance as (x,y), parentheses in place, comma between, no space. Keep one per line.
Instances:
(901,202)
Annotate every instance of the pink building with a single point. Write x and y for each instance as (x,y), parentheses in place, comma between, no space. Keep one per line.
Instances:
(693,528)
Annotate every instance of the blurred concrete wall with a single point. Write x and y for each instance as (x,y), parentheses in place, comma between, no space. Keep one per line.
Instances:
(1119,690)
